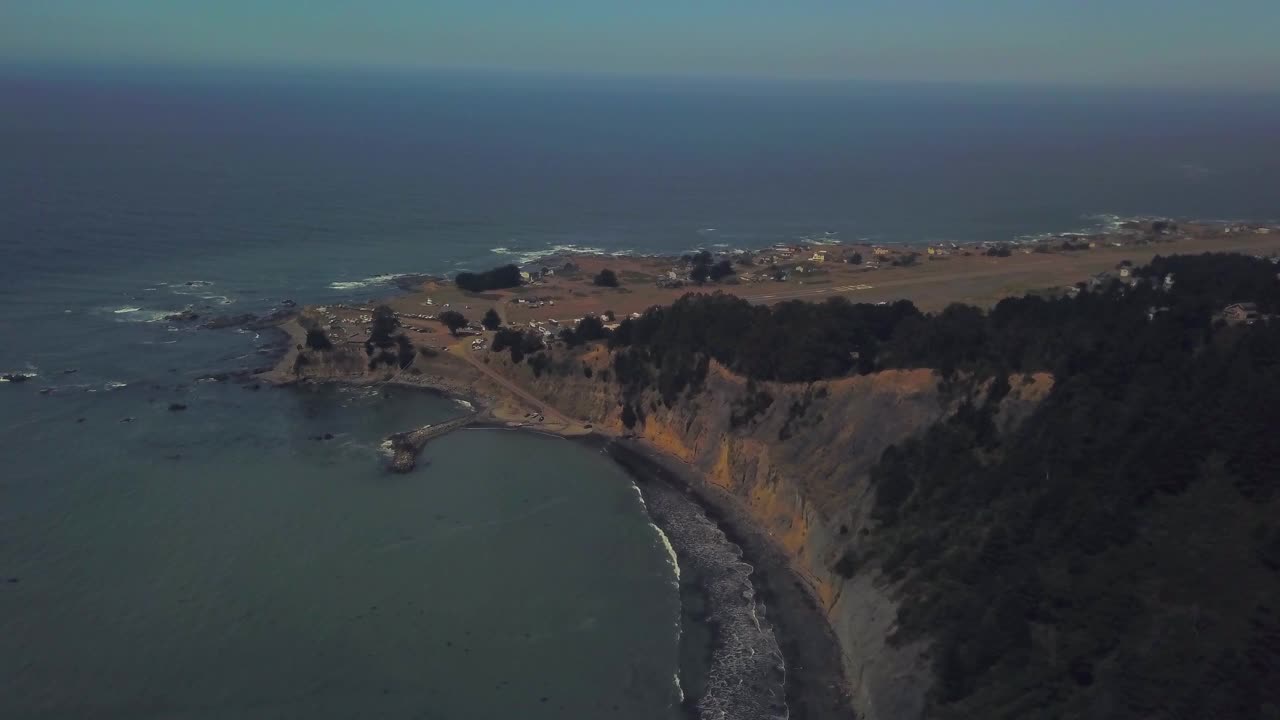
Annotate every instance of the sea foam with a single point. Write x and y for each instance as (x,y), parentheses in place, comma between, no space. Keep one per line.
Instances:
(523,256)
(364,282)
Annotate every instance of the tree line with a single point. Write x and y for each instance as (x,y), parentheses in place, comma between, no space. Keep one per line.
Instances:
(1118,554)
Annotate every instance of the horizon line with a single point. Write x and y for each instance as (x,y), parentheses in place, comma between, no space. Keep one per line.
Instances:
(198,70)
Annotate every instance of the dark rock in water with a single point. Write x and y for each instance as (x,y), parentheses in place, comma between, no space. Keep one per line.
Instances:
(270,319)
(237,375)
(12,581)
(46,391)
(126,420)
(15,377)
(80,420)
(411,283)
(184,316)
(175,407)
(227,321)
(70,371)
(288,303)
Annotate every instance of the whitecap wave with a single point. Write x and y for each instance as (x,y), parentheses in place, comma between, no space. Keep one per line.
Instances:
(114,385)
(190,287)
(364,282)
(138,315)
(4,377)
(662,537)
(524,256)
(747,674)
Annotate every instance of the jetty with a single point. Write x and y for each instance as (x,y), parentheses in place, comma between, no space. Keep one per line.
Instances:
(405,446)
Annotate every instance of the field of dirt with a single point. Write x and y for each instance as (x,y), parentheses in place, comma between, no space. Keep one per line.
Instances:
(932,281)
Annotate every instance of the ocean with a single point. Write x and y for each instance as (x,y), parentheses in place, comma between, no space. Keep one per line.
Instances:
(222,561)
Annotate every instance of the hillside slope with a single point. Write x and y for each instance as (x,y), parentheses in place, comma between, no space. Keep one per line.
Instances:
(1058,508)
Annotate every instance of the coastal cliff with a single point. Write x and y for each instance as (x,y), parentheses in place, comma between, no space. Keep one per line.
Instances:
(800,467)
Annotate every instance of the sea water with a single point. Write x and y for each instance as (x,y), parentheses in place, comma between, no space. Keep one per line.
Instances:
(227,560)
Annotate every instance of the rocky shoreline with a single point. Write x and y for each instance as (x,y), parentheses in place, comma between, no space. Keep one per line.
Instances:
(814,682)
(809,675)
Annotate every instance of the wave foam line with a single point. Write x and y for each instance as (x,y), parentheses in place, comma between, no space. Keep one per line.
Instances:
(364,282)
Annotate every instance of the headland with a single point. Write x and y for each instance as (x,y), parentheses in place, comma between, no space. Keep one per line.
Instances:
(764,470)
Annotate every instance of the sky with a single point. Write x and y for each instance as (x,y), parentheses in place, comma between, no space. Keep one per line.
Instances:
(1114,43)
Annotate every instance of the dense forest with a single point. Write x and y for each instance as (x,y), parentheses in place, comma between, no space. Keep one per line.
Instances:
(1118,554)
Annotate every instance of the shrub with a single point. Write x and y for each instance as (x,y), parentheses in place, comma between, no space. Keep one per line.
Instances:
(606,278)
(507,276)
(404,351)
(385,323)
(453,320)
(720,270)
(317,339)
(491,321)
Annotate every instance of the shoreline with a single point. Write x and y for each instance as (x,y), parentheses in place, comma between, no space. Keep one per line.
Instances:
(812,676)
(815,685)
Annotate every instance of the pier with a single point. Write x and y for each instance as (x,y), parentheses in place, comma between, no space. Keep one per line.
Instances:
(405,446)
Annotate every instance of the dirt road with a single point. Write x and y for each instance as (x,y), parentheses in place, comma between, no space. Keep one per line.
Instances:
(548,411)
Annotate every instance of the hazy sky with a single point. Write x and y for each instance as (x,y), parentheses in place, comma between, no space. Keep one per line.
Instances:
(1198,43)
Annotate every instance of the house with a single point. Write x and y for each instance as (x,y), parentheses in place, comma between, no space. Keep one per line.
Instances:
(1241,313)
(525,276)
(819,256)
(1125,272)
(880,251)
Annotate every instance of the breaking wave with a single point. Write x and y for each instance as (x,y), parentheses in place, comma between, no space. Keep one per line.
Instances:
(662,537)
(365,282)
(523,256)
(133,314)
(747,676)
(5,377)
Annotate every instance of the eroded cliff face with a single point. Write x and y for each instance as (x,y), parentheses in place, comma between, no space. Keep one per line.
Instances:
(801,467)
